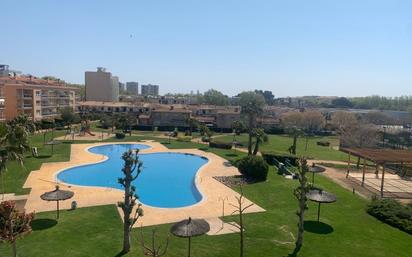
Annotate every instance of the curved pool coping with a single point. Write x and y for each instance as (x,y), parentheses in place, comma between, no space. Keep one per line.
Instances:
(141,152)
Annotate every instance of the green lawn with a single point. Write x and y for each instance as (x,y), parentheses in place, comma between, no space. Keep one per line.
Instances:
(281,143)
(16,175)
(347,230)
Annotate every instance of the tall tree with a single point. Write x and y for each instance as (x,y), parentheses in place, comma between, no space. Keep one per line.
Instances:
(214,97)
(252,105)
(300,194)
(131,170)
(13,224)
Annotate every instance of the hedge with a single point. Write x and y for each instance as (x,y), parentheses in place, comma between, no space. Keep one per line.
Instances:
(184,139)
(323,143)
(120,135)
(221,145)
(254,167)
(393,213)
(270,157)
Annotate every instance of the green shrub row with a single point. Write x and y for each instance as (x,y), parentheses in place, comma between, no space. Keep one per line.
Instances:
(120,135)
(393,213)
(221,145)
(270,157)
(184,139)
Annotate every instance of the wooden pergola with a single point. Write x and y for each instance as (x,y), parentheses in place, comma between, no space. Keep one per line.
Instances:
(380,157)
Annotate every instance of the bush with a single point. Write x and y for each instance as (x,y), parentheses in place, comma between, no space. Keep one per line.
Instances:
(184,139)
(392,213)
(221,145)
(271,156)
(205,139)
(254,167)
(323,143)
(120,135)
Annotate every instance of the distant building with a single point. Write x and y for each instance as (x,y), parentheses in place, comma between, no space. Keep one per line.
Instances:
(150,90)
(122,88)
(132,88)
(4,70)
(101,86)
(36,98)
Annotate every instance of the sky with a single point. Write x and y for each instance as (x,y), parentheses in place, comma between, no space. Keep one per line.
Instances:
(293,48)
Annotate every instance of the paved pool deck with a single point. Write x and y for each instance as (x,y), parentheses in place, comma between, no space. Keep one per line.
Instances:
(213,192)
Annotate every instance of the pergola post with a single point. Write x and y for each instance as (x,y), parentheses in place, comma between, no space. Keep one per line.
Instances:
(363,172)
(383,177)
(377,170)
(347,170)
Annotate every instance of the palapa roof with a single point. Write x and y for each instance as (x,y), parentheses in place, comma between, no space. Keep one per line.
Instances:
(57,195)
(190,227)
(381,156)
(320,196)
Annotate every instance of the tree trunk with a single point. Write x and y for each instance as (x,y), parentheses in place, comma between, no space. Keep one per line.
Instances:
(295,138)
(249,148)
(241,234)
(127,212)
(256,146)
(301,229)
(14,249)
(358,163)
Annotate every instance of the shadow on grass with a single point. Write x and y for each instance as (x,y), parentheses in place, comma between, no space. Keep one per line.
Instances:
(317,227)
(42,224)
(120,254)
(231,155)
(44,156)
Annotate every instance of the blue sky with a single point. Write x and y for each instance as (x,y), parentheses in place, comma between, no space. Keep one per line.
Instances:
(316,47)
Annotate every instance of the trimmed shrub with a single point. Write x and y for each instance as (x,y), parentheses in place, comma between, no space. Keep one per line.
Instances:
(184,139)
(254,167)
(120,135)
(270,157)
(323,143)
(221,145)
(205,139)
(392,212)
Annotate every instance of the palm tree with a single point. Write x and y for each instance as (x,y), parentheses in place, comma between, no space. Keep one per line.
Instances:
(14,141)
(260,136)
(252,105)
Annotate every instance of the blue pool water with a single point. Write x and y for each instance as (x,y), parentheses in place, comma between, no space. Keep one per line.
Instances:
(167,179)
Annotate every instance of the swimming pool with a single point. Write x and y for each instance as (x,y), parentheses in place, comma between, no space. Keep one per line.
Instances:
(167,179)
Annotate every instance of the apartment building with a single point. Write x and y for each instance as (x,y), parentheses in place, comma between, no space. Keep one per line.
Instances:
(101,86)
(150,90)
(37,98)
(132,88)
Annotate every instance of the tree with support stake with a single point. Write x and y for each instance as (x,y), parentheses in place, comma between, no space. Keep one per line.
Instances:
(131,170)
(240,209)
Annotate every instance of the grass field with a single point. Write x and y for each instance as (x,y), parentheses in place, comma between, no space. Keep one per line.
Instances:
(281,143)
(346,229)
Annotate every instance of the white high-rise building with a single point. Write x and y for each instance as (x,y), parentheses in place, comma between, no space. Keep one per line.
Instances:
(101,86)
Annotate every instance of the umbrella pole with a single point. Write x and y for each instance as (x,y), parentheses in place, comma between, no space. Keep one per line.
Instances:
(313,178)
(318,211)
(189,247)
(57,209)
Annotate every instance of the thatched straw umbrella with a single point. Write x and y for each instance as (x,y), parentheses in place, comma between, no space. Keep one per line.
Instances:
(315,169)
(57,195)
(189,228)
(320,196)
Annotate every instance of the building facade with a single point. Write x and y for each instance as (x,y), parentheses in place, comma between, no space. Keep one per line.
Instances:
(101,86)
(132,88)
(37,98)
(150,90)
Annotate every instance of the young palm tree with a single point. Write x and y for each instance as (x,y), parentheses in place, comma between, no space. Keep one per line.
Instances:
(14,141)
(252,105)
